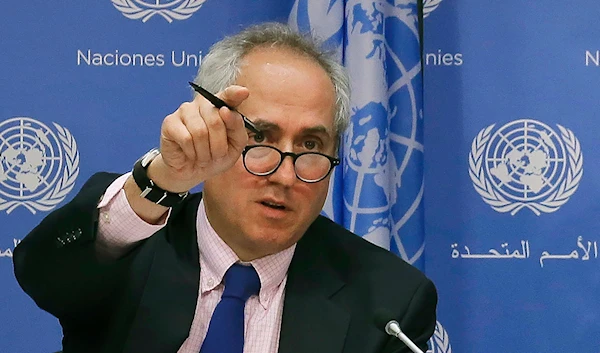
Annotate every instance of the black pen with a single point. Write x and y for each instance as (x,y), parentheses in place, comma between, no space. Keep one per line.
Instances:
(219,103)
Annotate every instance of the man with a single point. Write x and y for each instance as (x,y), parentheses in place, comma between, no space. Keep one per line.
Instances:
(133,264)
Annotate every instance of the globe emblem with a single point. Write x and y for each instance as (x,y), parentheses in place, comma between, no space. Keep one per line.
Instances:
(526,160)
(33,172)
(525,164)
(30,158)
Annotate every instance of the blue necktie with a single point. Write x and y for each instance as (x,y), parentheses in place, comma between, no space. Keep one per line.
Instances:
(226,329)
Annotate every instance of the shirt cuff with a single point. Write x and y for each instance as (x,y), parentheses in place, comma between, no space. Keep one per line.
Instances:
(119,227)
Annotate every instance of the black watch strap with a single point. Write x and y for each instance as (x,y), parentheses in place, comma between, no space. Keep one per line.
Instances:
(150,190)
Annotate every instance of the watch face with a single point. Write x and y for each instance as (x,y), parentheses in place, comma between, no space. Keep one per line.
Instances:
(148,157)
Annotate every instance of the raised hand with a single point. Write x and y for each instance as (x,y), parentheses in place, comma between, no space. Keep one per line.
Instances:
(199,141)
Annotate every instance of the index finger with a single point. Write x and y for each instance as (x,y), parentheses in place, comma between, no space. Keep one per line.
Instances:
(233,95)
(238,93)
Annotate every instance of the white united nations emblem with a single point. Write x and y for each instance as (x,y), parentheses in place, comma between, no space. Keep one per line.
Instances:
(439,342)
(525,164)
(168,9)
(429,6)
(38,166)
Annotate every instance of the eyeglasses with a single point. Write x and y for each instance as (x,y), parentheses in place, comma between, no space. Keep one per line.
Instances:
(310,167)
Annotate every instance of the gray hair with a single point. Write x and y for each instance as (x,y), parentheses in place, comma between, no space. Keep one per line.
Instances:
(221,66)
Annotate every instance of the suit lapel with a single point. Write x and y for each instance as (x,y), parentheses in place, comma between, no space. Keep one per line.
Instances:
(312,321)
(168,303)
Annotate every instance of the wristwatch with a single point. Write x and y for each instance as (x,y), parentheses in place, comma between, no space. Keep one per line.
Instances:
(150,190)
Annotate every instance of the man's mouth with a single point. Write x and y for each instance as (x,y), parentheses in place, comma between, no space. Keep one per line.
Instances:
(274,205)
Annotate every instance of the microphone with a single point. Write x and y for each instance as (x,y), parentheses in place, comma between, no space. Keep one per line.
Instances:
(384,320)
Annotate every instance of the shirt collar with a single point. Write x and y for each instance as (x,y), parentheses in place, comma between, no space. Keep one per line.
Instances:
(216,257)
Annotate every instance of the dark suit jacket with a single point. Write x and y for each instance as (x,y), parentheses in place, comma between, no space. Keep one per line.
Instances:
(145,301)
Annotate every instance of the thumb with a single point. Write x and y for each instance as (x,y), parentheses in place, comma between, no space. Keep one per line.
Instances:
(234,95)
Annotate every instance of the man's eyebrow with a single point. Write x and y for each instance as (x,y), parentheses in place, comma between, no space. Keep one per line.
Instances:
(317,130)
(264,125)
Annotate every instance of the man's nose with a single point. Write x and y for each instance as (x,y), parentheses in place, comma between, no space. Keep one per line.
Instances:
(285,174)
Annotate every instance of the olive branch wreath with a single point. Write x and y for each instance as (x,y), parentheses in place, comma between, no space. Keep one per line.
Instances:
(182,11)
(439,342)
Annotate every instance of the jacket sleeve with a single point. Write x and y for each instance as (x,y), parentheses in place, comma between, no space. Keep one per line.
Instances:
(419,320)
(56,264)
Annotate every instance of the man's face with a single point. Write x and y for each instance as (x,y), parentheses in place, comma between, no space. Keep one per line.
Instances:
(292,101)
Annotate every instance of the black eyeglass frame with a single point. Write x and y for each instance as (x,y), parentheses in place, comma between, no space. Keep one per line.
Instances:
(333,162)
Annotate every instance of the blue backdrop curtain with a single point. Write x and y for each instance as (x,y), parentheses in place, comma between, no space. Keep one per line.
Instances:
(511,100)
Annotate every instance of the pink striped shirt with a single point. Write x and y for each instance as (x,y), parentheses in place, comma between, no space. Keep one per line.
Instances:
(120,228)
